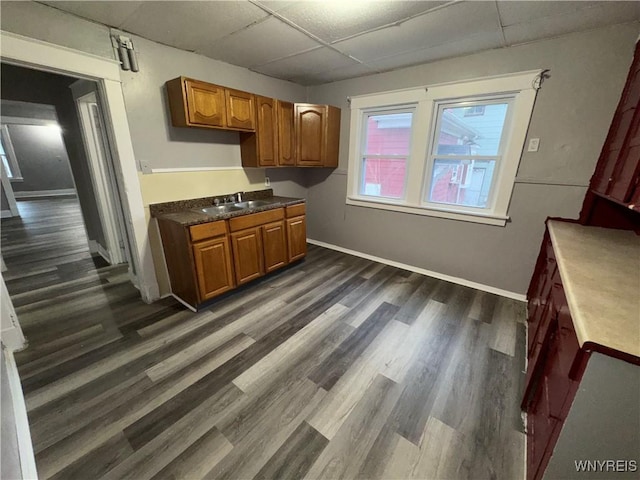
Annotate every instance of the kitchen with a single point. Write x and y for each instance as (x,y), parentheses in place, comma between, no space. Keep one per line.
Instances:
(177,164)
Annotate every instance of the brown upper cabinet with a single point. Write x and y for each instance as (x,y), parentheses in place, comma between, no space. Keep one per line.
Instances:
(273,143)
(317,130)
(260,149)
(286,134)
(274,133)
(240,109)
(200,104)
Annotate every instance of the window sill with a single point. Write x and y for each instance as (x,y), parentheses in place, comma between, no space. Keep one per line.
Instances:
(487,219)
(16,179)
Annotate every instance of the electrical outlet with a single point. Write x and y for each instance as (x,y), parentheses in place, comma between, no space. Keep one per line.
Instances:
(534,143)
(267,182)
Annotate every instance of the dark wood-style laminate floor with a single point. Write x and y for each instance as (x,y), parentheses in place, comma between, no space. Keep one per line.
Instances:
(337,367)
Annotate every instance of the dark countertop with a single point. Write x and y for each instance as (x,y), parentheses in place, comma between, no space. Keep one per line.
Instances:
(183,212)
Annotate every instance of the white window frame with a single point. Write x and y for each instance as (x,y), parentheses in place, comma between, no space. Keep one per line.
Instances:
(521,86)
(382,111)
(10,154)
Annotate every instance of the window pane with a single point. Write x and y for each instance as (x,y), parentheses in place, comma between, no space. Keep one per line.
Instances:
(461,182)
(472,129)
(388,134)
(7,168)
(384,177)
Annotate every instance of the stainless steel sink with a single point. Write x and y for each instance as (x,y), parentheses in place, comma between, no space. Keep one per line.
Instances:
(217,209)
(252,203)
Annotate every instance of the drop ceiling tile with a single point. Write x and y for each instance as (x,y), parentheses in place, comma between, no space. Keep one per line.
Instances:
(259,44)
(191,24)
(523,12)
(476,43)
(352,71)
(606,13)
(108,13)
(305,64)
(442,26)
(334,20)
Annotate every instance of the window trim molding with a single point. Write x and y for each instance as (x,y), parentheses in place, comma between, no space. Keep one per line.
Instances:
(521,85)
(10,154)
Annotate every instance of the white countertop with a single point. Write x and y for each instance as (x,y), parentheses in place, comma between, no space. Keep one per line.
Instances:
(600,272)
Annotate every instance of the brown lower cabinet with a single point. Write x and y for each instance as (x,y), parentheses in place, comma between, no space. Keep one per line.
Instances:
(209,259)
(297,237)
(213,267)
(247,254)
(274,241)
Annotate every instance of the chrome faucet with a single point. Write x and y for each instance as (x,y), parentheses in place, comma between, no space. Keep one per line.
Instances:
(239,195)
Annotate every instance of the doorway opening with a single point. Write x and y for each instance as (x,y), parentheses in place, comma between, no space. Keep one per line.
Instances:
(63,218)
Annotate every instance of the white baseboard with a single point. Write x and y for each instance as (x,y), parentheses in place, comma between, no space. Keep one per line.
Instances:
(46,193)
(441,276)
(25,446)
(6,214)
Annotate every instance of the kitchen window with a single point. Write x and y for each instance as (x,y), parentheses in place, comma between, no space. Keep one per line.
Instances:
(385,153)
(449,150)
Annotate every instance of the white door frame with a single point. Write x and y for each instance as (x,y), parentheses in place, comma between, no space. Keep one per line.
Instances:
(31,53)
(101,179)
(11,199)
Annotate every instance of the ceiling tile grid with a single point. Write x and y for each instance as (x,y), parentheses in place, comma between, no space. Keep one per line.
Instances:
(306,64)
(277,40)
(312,42)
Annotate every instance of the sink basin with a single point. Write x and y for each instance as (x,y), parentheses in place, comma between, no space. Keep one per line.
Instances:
(215,210)
(252,204)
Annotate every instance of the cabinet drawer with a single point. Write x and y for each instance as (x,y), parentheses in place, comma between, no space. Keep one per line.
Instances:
(296,210)
(207,230)
(255,219)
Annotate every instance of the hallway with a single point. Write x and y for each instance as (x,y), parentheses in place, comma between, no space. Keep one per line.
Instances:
(45,246)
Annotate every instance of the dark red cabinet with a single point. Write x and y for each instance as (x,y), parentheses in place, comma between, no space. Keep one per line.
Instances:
(617,174)
(555,364)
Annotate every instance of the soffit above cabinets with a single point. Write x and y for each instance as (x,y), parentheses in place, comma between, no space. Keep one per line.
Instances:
(314,42)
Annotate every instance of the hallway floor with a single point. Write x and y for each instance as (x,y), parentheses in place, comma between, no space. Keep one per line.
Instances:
(337,367)
(46,245)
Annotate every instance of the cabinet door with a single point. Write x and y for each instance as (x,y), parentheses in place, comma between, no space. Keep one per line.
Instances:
(247,254)
(205,104)
(286,134)
(311,126)
(213,267)
(240,109)
(297,238)
(619,159)
(274,241)
(266,132)
(628,167)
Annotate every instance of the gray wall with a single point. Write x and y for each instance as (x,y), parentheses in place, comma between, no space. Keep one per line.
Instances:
(27,85)
(42,158)
(571,117)
(54,26)
(4,203)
